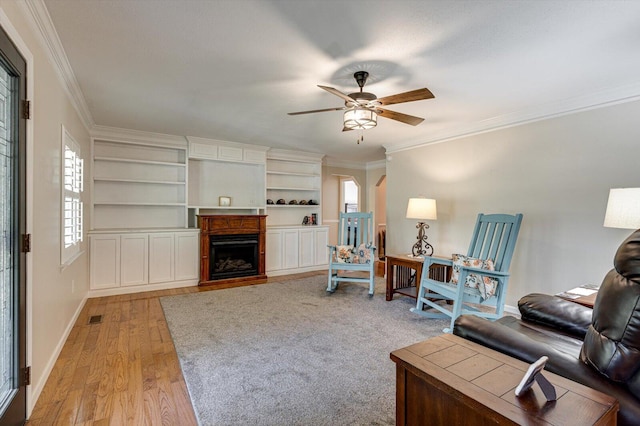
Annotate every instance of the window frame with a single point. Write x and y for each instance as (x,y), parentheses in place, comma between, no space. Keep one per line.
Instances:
(71,188)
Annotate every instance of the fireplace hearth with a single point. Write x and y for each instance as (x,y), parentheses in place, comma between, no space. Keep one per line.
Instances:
(232,249)
(233,256)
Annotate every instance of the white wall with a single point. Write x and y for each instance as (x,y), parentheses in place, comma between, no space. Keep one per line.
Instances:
(53,302)
(557,172)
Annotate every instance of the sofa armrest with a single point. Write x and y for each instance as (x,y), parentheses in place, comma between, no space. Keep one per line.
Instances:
(557,313)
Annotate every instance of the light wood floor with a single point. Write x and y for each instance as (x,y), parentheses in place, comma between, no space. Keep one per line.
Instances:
(123,371)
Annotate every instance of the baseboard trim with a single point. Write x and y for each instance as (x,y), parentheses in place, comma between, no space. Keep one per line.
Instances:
(141,288)
(36,390)
(513,310)
(297,270)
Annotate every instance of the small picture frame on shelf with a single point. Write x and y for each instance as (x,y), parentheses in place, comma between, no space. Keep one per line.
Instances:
(224,201)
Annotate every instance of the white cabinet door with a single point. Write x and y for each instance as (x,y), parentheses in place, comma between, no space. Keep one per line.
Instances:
(307,247)
(290,248)
(134,251)
(187,255)
(273,255)
(321,241)
(161,257)
(105,261)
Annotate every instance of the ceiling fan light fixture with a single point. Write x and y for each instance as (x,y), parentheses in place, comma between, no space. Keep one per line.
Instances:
(359,118)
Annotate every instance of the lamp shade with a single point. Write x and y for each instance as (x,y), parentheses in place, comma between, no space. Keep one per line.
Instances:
(422,208)
(358,118)
(623,208)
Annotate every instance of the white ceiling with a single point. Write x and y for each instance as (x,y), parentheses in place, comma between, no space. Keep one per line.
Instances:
(231,70)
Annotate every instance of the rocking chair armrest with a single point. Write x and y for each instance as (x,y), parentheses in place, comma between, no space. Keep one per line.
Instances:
(436,260)
(480,271)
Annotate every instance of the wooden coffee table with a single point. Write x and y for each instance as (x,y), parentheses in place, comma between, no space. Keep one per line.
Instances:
(448,380)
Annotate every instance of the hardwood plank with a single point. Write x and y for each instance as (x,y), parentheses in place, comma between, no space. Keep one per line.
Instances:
(124,370)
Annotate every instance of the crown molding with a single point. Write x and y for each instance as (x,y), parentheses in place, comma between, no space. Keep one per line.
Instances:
(596,100)
(286,154)
(334,162)
(379,164)
(127,135)
(38,16)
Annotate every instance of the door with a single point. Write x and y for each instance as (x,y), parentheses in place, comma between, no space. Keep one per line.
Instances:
(187,256)
(134,259)
(290,248)
(274,250)
(161,257)
(307,247)
(13,407)
(105,261)
(321,241)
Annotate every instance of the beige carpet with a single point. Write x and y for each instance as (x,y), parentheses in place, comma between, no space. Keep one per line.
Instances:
(288,353)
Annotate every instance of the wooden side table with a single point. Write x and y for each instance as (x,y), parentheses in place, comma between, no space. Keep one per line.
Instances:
(586,300)
(448,380)
(404,273)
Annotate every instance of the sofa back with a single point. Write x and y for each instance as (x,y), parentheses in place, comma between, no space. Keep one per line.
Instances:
(612,342)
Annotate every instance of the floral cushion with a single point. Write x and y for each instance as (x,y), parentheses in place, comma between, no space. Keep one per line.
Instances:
(343,254)
(485,285)
(349,254)
(362,254)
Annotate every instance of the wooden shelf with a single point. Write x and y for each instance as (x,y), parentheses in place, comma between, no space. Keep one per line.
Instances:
(131,160)
(284,206)
(270,172)
(282,188)
(154,182)
(127,203)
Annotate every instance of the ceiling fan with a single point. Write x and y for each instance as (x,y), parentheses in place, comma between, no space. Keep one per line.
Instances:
(361,109)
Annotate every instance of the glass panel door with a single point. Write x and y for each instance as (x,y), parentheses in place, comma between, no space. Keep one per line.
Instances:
(12,288)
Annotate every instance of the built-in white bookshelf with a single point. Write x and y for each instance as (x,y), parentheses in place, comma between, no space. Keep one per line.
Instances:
(293,176)
(138,184)
(225,169)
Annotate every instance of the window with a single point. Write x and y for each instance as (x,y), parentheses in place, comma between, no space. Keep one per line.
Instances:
(72,168)
(350,195)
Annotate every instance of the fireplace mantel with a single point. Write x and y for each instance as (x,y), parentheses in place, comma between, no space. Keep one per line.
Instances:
(231,225)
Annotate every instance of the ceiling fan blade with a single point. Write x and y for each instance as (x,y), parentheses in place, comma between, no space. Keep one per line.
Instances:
(346,129)
(339,94)
(316,110)
(414,95)
(398,116)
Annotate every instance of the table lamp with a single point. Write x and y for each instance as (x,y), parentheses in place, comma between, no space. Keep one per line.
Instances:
(623,208)
(422,209)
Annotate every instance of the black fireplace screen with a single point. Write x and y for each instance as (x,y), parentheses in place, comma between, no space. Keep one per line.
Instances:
(233,256)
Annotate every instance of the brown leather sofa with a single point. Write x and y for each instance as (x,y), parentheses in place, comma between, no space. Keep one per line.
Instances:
(599,348)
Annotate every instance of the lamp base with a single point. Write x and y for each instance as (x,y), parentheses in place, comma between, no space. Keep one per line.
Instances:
(422,247)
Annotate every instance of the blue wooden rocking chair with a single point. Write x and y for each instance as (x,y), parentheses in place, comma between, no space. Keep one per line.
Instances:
(355,251)
(478,281)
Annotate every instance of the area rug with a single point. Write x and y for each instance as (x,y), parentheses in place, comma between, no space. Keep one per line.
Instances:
(288,353)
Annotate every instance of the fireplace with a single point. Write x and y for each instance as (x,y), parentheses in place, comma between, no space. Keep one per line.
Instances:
(233,256)
(232,249)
